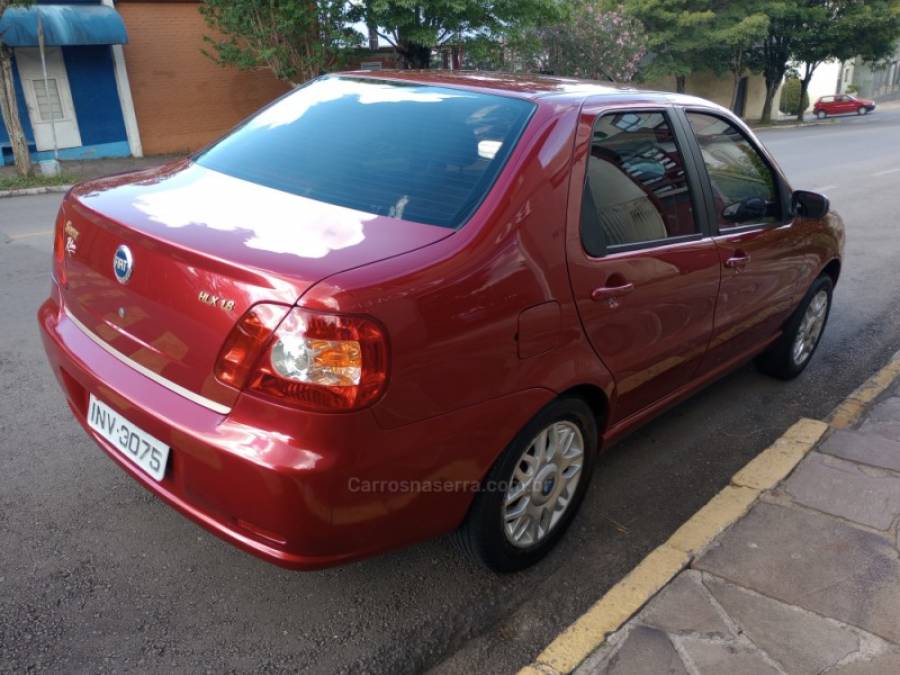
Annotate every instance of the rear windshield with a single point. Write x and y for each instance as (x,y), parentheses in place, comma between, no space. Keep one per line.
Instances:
(421,153)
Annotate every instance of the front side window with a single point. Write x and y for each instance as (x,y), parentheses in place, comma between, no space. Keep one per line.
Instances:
(743,183)
(636,189)
(411,151)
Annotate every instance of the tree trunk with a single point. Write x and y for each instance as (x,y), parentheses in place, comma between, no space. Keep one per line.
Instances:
(414,55)
(737,69)
(373,37)
(804,87)
(771,88)
(456,57)
(9,108)
(680,83)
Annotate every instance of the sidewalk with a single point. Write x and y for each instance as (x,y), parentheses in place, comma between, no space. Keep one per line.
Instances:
(808,581)
(75,171)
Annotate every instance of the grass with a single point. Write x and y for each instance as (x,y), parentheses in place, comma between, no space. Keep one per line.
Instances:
(16,182)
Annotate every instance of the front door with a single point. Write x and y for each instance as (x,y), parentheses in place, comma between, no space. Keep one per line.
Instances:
(49,102)
(761,254)
(644,274)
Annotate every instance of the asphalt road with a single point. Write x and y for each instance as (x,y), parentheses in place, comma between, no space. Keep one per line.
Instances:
(96,575)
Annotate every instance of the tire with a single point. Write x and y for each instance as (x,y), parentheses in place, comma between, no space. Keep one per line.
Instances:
(487,534)
(786,359)
(821,114)
(862,111)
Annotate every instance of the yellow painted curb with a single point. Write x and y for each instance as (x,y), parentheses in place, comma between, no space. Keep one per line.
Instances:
(715,516)
(773,464)
(762,473)
(577,641)
(624,599)
(848,412)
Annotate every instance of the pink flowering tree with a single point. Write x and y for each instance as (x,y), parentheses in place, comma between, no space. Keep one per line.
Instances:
(591,42)
(597,44)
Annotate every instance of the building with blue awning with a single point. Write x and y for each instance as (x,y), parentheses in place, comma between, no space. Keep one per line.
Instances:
(84,99)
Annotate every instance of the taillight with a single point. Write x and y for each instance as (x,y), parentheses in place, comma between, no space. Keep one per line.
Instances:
(313,360)
(245,342)
(59,251)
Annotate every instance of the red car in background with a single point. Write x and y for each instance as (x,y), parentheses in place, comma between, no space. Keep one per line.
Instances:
(393,305)
(842,104)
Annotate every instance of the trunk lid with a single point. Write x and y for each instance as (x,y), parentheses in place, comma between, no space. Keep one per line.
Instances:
(203,247)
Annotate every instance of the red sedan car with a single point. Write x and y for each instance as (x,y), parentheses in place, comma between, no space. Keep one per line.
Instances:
(841,105)
(394,305)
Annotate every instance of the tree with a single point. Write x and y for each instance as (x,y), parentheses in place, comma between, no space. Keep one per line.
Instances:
(296,40)
(679,35)
(9,105)
(738,28)
(791,98)
(774,50)
(807,29)
(594,43)
(415,27)
(843,29)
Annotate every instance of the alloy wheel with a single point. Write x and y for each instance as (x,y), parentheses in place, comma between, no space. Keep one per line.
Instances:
(810,328)
(543,484)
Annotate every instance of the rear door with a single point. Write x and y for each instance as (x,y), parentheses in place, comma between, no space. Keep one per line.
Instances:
(644,271)
(761,254)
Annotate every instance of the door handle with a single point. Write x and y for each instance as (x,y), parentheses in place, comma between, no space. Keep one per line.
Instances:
(738,261)
(607,292)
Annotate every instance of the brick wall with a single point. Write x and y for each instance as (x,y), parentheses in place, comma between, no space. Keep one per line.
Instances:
(182,99)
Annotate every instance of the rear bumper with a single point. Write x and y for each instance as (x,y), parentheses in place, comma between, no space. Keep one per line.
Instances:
(301,490)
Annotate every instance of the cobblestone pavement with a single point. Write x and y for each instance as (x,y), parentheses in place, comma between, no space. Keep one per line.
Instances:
(807,582)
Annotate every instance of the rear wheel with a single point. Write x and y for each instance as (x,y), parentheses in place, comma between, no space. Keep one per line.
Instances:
(534,488)
(821,114)
(787,358)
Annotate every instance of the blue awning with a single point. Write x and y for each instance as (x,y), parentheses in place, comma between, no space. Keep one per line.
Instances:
(64,26)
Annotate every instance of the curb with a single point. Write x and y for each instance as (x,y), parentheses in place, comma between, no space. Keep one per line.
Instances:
(24,192)
(661,565)
(794,125)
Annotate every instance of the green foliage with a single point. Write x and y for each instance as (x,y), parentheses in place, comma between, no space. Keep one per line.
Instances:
(296,40)
(790,97)
(9,182)
(415,27)
(590,41)
(679,34)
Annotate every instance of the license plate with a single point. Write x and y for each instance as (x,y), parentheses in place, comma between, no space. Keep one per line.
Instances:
(149,453)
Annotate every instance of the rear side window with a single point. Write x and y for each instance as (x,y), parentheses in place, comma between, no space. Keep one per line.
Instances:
(744,188)
(636,189)
(421,153)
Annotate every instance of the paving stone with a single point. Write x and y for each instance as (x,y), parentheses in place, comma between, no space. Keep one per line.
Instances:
(887,410)
(716,658)
(684,607)
(799,641)
(884,664)
(645,650)
(888,430)
(859,493)
(814,561)
(859,447)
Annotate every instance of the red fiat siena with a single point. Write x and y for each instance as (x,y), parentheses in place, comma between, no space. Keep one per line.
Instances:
(394,305)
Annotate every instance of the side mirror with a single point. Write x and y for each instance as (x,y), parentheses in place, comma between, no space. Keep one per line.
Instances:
(810,204)
(746,210)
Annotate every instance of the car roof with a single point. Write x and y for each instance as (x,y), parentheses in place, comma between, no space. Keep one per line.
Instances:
(529,86)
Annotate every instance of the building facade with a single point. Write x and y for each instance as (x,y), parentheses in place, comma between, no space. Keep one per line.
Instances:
(875,81)
(73,94)
(183,100)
